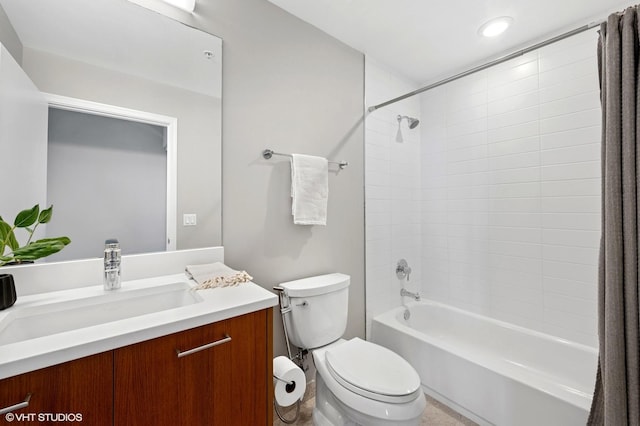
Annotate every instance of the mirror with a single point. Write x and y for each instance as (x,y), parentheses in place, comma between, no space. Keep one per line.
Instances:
(117,55)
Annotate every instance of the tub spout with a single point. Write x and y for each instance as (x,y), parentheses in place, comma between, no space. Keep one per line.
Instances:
(404,292)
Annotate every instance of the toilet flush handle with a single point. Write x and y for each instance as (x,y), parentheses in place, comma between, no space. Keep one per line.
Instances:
(303,304)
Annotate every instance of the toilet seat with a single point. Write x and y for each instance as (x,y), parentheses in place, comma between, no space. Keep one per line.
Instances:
(373,371)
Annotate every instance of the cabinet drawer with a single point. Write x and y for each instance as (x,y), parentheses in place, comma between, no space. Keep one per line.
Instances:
(79,391)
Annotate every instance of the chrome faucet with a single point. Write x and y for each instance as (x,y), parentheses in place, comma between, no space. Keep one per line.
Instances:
(112,258)
(404,292)
(403,270)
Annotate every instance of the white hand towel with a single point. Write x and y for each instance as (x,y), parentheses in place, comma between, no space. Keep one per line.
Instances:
(201,273)
(216,274)
(309,189)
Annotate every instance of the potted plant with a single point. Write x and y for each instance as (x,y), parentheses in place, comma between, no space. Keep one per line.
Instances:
(28,220)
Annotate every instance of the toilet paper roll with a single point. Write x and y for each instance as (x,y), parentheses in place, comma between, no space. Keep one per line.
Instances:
(285,369)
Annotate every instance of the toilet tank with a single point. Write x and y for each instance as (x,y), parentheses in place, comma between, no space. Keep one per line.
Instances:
(319,308)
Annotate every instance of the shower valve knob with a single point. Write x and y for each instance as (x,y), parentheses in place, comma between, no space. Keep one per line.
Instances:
(403,270)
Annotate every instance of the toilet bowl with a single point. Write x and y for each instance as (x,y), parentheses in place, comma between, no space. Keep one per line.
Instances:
(357,382)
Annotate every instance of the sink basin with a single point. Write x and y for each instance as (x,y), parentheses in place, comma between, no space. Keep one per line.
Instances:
(31,322)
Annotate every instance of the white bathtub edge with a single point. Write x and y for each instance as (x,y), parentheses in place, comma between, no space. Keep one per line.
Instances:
(455,407)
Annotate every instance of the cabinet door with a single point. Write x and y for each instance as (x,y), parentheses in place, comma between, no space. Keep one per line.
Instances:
(79,391)
(211,375)
(145,377)
(242,371)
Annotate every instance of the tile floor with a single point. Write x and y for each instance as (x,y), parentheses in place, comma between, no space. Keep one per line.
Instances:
(436,414)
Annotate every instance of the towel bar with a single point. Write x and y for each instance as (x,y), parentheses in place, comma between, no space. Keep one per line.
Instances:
(268,153)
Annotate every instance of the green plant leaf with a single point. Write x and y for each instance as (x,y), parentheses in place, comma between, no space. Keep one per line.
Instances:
(45,215)
(38,249)
(5,228)
(5,259)
(6,234)
(28,220)
(63,240)
(27,217)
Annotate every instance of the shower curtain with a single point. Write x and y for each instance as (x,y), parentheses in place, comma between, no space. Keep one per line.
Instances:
(616,399)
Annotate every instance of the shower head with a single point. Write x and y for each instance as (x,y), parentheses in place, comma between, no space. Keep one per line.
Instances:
(411,122)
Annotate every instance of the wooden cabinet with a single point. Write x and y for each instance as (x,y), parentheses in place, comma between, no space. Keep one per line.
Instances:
(211,375)
(217,374)
(79,391)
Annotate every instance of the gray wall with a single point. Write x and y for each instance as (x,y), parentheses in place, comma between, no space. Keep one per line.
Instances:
(292,88)
(106,178)
(9,38)
(23,143)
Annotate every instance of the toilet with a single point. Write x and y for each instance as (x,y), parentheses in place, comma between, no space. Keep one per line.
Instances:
(357,382)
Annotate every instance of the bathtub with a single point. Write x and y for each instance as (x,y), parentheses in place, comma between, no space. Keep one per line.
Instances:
(493,372)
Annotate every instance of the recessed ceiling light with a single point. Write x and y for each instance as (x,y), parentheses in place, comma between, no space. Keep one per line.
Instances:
(495,26)
(186,5)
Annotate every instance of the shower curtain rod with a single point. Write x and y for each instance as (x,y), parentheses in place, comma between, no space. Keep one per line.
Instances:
(489,64)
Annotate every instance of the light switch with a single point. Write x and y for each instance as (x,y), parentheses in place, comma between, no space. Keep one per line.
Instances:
(189,219)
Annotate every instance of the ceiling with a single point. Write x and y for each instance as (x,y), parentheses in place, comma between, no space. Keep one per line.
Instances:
(428,40)
(121,36)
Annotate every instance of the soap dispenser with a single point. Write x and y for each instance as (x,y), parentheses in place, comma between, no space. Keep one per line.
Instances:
(112,259)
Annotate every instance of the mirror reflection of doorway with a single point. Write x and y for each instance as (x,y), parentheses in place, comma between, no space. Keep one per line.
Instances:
(107,178)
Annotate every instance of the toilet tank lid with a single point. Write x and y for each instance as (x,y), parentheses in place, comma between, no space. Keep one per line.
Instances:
(315,286)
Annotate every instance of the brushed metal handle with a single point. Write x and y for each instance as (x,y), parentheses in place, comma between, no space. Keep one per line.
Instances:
(180,353)
(18,406)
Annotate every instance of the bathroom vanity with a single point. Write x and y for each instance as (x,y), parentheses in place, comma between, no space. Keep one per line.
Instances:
(205,359)
(147,383)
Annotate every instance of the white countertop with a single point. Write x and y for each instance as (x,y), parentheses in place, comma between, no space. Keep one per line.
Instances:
(217,304)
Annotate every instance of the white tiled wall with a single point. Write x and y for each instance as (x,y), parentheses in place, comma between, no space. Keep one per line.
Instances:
(392,190)
(509,191)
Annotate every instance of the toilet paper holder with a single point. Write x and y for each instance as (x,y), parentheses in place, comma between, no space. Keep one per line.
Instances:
(291,385)
(283,380)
